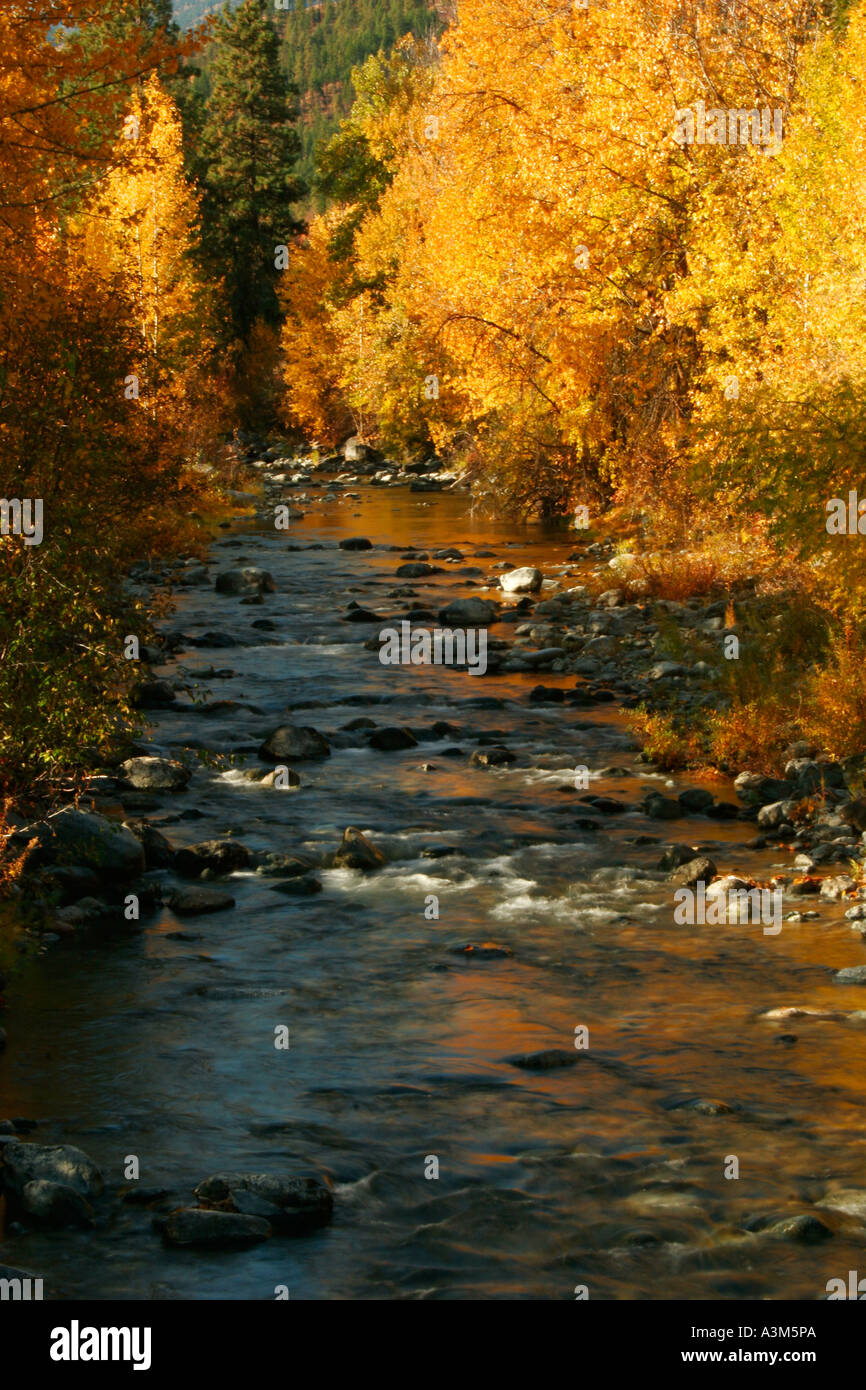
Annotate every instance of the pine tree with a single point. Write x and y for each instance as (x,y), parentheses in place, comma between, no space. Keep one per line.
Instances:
(249,152)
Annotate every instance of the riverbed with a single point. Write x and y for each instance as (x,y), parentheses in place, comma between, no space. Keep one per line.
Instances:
(609,1174)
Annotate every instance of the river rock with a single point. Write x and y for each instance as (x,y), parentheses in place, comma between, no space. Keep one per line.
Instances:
(600,648)
(851,975)
(298,887)
(850,1201)
(698,870)
(356,852)
(355,543)
(155,694)
(155,774)
(416,569)
(757,790)
(201,1229)
(837,887)
(549,1060)
(390,739)
(219,856)
(675,855)
(158,850)
(72,836)
(495,756)
(60,1164)
(286,779)
(248,581)
(193,902)
(53,1204)
(854,814)
(660,807)
(525,580)
(696,799)
(776,813)
(470,612)
(804,1228)
(297,1204)
(296,742)
(282,866)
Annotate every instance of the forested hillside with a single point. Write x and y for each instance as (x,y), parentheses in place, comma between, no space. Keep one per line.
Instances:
(319,46)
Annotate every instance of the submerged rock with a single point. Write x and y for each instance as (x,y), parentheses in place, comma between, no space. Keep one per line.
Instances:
(202,1229)
(485,950)
(549,1060)
(193,902)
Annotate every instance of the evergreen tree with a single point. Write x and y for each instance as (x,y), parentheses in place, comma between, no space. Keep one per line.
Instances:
(249,150)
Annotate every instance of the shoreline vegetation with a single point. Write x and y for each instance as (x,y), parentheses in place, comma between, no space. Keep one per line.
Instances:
(523,272)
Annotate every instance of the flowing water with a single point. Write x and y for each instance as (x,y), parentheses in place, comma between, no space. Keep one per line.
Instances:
(605,1173)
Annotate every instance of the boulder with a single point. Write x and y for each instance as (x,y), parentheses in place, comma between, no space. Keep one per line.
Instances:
(218,856)
(497,755)
(676,855)
(391,738)
(356,852)
(524,580)
(776,813)
(840,886)
(695,799)
(416,569)
(156,694)
(757,790)
(155,774)
(158,850)
(248,582)
(293,1205)
(294,742)
(193,902)
(469,612)
(200,1229)
(61,1164)
(701,869)
(53,1204)
(660,807)
(72,836)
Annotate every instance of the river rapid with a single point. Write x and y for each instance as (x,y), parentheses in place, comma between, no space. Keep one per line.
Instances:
(608,1174)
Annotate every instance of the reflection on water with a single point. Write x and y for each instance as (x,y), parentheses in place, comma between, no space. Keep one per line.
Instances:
(605,1172)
